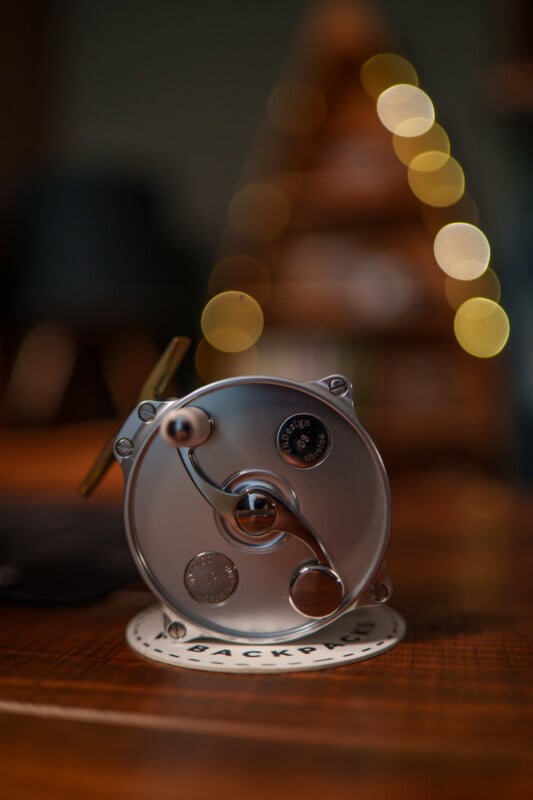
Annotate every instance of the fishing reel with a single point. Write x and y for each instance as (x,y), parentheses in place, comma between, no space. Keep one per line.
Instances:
(257,509)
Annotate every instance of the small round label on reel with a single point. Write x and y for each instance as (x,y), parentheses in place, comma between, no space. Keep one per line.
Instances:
(211,578)
(303,440)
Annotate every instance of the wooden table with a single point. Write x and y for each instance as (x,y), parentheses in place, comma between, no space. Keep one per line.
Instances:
(445,714)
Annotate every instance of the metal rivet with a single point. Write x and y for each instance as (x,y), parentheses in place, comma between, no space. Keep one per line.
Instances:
(124,447)
(338,385)
(176,630)
(380,592)
(147,412)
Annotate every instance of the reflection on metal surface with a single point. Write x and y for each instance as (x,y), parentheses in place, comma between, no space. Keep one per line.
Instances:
(186,427)
(286,520)
(255,513)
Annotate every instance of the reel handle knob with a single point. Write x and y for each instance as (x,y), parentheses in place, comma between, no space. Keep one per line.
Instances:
(186,427)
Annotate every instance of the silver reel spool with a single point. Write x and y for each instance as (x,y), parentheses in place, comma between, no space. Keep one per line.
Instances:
(257,509)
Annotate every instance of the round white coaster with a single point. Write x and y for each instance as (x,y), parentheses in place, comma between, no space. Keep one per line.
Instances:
(363,633)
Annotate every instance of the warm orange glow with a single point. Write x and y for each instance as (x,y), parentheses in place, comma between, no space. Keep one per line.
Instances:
(436,178)
(462,251)
(259,212)
(296,108)
(385,70)
(242,273)
(232,321)
(408,147)
(481,327)
(405,110)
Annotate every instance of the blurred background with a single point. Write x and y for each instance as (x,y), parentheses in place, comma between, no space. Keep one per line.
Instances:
(246,174)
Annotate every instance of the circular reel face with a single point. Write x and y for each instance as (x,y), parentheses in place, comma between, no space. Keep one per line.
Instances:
(270,438)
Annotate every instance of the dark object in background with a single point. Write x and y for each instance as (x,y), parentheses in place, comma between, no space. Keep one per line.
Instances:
(55,555)
(90,256)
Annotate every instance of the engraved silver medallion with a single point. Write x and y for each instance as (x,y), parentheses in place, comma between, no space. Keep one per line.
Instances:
(211,578)
(303,440)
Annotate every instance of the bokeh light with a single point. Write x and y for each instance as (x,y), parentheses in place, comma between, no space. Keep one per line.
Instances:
(259,212)
(405,110)
(385,70)
(214,365)
(487,285)
(408,147)
(296,108)
(243,273)
(481,327)
(232,321)
(436,178)
(462,251)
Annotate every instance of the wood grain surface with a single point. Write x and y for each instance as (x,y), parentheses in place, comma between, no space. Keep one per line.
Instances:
(446,714)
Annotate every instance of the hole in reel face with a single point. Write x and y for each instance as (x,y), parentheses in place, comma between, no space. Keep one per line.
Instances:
(255,513)
(316,590)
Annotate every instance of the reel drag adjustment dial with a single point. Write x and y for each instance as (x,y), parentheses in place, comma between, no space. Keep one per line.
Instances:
(257,509)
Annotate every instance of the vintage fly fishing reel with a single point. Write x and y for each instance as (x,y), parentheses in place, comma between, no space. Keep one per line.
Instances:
(257,509)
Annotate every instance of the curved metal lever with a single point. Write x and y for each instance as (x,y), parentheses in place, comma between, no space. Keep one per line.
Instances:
(225,503)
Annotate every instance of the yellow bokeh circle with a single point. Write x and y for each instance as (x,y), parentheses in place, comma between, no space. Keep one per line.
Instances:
(462,251)
(232,321)
(384,70)
(436,179)
(481,327)
(408,147)
(405,110)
